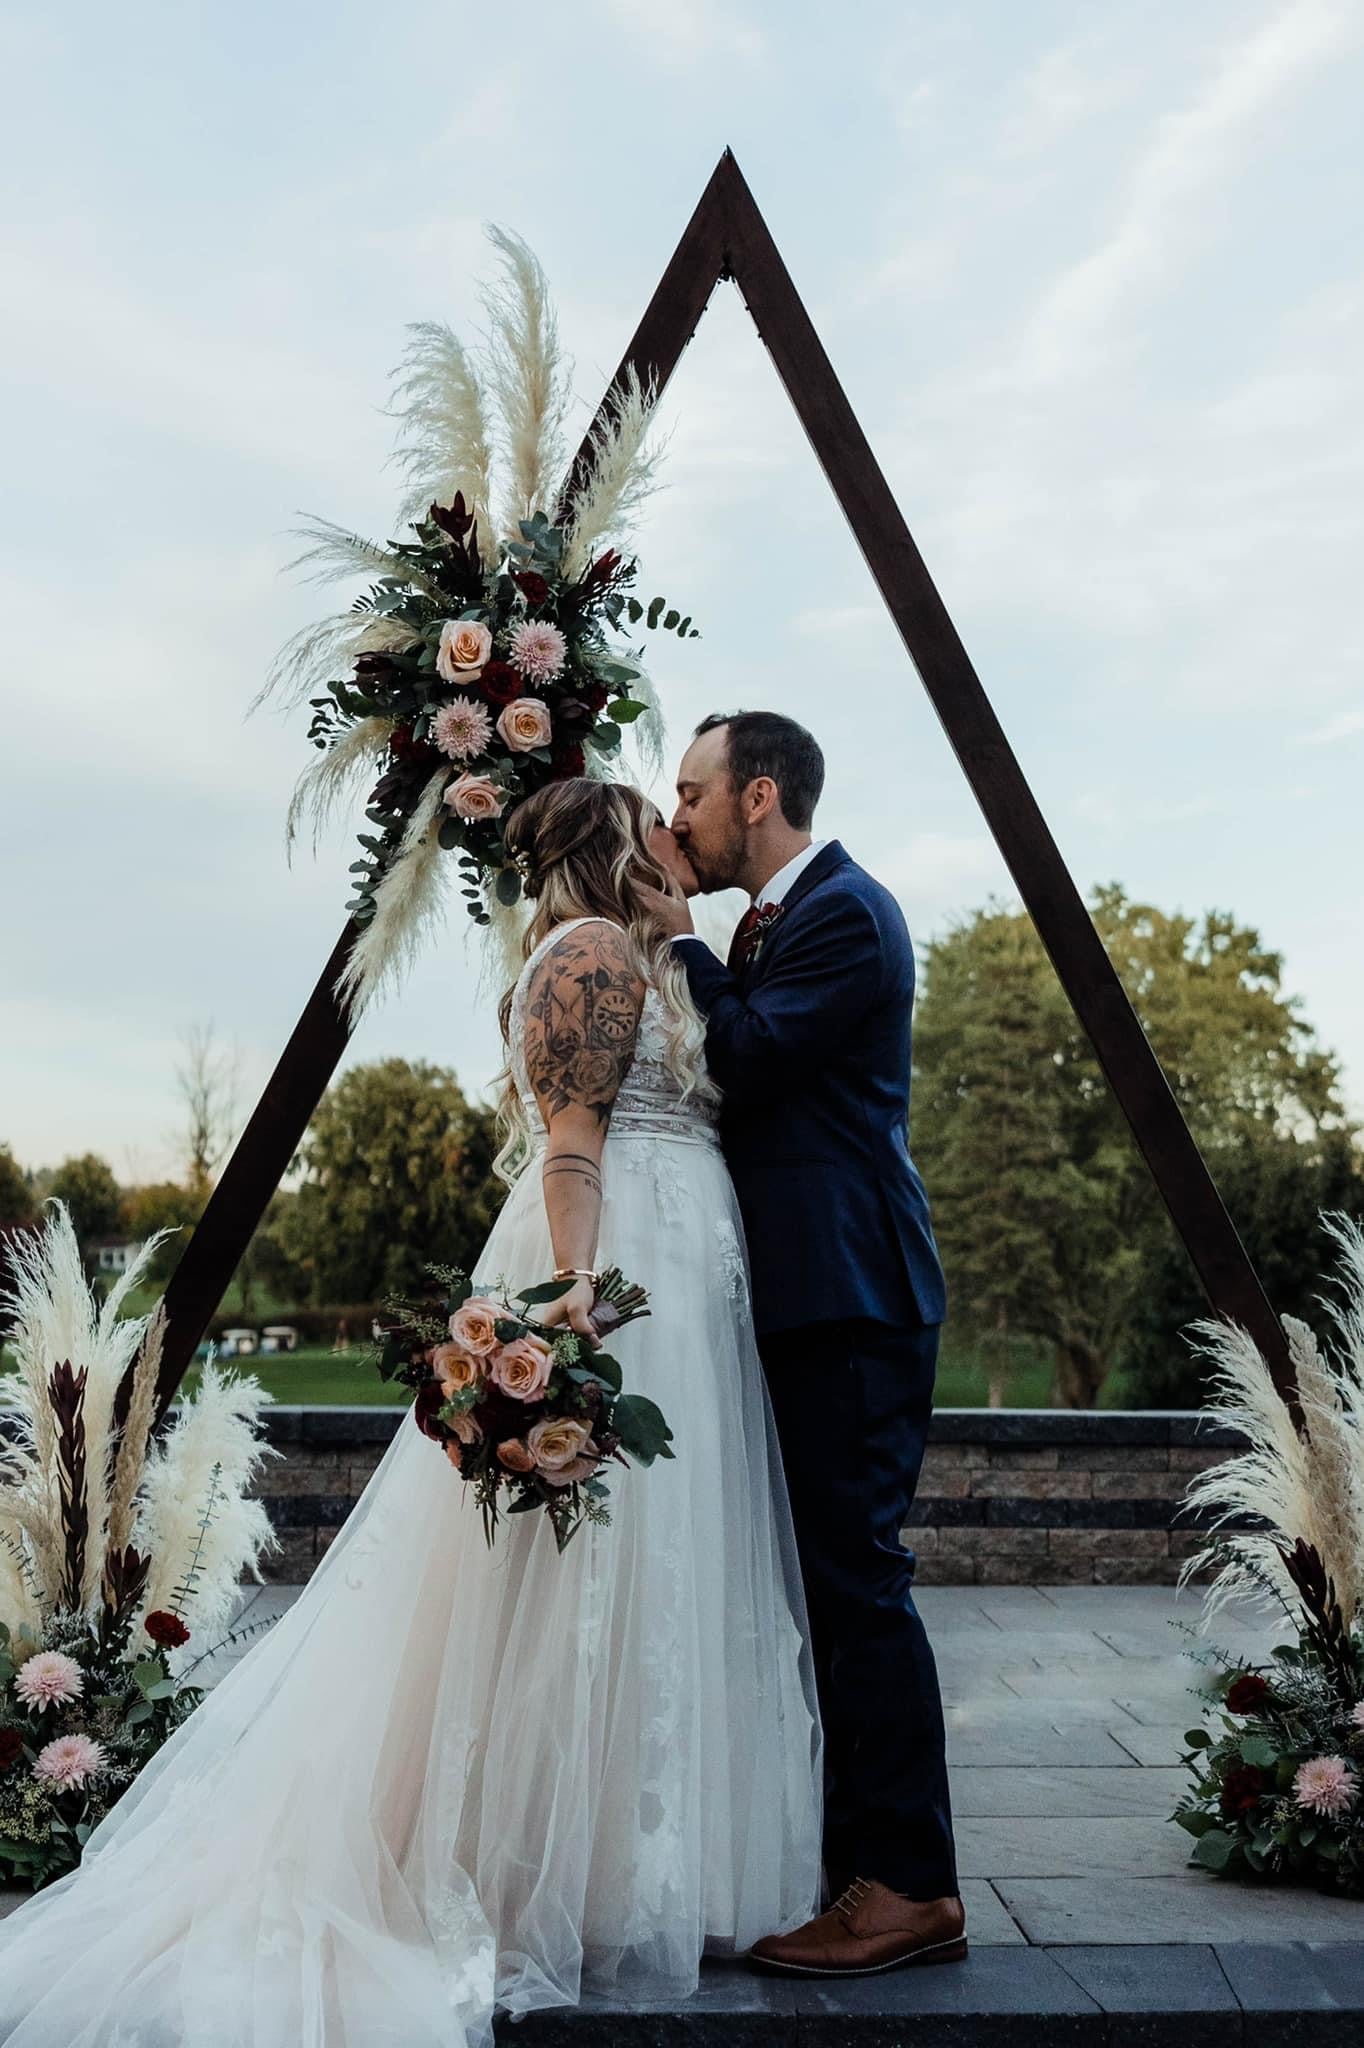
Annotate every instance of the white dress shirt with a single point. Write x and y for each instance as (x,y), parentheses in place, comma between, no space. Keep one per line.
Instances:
(775,890)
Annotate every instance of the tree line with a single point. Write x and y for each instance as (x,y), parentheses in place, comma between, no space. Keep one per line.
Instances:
(1052,1234)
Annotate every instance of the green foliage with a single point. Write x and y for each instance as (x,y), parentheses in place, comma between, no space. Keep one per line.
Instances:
(398,1161)
(18,1200)
(1243,1808)
(91,1192)
(161,1205)
(1048,1221)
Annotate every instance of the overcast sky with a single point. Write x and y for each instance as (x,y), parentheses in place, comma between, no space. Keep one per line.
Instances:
(1092,279)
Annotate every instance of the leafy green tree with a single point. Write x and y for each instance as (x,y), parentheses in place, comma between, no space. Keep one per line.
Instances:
(1047,1216)
(162,1205)
(18,1202)
(267,1266)
(397,1171)
(91,1192)
(1276,1189)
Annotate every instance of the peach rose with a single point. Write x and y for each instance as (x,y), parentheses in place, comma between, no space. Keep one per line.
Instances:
(557,1443)
(521,1368)
(514,1455)
(465,1428)
(465,645)
(454,1367)
(474,1325)
(474,797)
(581,1468)
(455,1454)
(525,724)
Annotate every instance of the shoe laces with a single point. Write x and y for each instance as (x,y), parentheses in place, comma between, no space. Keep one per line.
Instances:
(851,1897)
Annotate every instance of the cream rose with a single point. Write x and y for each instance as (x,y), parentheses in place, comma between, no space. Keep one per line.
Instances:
(465,645)
(474,1325)
(525,724)
(454,1367)
(521,1368)
(515,1456)
(474,796)
(556,1443)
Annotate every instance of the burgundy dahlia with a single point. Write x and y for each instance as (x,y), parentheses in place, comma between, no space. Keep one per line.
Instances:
(501,683)
(166,1629)
(1247,1694)
(1242,1789)
(568,760)
(11,1747)
(532,585)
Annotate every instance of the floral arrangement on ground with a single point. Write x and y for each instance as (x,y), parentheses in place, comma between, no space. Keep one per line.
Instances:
(522,1410)
(120,1554)
(1278,1769)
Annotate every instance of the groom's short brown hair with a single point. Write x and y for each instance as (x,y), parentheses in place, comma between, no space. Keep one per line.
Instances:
(766,743)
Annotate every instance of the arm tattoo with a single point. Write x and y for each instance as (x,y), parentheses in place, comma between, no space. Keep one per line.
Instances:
(582,1022)
(592,1178)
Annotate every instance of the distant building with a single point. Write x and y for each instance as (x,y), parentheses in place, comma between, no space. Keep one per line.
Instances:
(113,1254)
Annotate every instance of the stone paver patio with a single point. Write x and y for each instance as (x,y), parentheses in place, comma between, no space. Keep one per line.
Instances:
(1066,1707)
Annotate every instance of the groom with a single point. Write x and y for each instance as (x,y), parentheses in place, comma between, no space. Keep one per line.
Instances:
(808,1035)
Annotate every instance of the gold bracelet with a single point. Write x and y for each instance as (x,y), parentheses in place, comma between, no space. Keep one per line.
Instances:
(573,1273)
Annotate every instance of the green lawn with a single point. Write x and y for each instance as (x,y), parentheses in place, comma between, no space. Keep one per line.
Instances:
(323,1378)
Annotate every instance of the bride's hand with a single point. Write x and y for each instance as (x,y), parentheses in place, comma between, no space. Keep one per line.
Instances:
(573,1308)
(672,910)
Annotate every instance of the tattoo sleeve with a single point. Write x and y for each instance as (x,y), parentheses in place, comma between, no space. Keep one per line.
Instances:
(582,1022)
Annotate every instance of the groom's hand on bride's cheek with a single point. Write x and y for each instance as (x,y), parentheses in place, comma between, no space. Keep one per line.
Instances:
(671,909)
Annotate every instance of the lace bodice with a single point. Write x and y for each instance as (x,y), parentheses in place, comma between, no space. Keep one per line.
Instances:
(650,1100)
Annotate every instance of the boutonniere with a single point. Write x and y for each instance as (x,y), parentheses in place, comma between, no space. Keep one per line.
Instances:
(758,923)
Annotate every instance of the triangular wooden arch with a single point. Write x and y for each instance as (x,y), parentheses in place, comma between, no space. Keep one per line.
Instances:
(727,237)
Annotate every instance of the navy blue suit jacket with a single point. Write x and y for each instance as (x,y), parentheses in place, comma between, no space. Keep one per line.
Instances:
(811,1046)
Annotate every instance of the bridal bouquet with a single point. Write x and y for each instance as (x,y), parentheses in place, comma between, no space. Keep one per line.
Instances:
(522,1411)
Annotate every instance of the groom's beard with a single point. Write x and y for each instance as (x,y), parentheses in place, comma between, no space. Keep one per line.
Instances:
(720,866)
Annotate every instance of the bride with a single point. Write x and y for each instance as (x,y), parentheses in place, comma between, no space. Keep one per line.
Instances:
(451,1778)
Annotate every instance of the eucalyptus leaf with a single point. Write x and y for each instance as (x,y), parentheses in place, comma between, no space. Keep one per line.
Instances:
(1213,1849)
(549,1290)
(508,887)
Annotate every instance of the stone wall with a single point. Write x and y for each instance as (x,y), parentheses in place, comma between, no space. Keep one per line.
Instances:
(1007,1496)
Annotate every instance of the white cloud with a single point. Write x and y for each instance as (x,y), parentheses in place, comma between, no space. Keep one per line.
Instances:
(937,874)
(1190,151)
(1345,725)
(682,32)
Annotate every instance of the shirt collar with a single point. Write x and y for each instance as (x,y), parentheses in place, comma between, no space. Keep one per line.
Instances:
(775,890)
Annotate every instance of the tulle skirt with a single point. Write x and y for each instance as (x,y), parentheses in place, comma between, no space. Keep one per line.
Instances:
(449,1778)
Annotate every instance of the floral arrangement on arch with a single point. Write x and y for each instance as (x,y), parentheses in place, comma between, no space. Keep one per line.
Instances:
(1278,1772)
(119,1555)
(483,660)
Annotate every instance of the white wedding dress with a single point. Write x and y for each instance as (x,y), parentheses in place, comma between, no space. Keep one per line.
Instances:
(450,1777)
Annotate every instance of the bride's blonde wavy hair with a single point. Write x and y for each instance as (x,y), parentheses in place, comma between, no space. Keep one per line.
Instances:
(583,850)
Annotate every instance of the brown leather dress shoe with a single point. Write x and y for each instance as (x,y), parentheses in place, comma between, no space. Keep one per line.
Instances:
(869,1928)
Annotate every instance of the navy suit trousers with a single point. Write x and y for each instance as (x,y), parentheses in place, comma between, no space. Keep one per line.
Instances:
(852,1401)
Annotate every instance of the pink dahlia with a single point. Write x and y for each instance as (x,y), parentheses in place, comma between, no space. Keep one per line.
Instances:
(538,650)
(48,1678)
(1325,1784)
(461,729)
(1357,1715)
(70,1760)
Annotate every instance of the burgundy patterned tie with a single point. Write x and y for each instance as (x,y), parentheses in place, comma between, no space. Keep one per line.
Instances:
(753,927)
